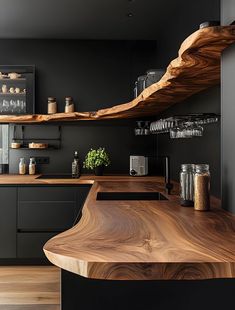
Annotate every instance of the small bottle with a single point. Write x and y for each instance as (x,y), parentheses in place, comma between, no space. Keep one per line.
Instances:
(22,166)
(75,166)
(187,185)
(32,166)
(202,188)
(69,105)
(52,105)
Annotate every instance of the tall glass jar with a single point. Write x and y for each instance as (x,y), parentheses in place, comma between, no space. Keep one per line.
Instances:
(202,188)
(187,185)
(22,166)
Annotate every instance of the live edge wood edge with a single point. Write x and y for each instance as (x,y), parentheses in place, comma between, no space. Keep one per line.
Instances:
(196,68)
(145,240)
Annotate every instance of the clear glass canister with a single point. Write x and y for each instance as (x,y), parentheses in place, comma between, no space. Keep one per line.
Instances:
(202,187)
(187,185)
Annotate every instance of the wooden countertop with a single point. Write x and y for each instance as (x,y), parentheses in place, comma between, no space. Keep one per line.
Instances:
(146,240)
(141,240)
(16,179)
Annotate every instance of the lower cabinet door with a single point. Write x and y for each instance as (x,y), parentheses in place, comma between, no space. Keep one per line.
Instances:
(8,199)
(30,245)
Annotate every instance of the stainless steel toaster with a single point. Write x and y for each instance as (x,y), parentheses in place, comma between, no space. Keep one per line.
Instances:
(138,165)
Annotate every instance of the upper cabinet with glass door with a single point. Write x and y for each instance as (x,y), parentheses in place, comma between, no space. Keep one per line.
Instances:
(17,90)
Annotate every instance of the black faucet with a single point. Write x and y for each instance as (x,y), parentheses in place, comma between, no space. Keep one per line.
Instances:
(168,184)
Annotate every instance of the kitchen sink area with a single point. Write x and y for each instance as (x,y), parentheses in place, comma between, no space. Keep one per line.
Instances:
(130,196)
(55,176)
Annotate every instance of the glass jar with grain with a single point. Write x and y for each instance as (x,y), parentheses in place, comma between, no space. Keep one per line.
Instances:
(202,188)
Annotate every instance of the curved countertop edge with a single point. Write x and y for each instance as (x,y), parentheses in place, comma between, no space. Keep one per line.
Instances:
(209,265)
(143,271)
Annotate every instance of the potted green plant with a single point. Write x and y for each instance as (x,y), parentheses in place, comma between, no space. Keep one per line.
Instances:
(97,160)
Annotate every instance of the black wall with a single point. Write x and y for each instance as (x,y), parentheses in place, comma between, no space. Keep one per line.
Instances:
(186,20)
(116,136)
(228,113)
(96,74)
(204,149)
(99,74)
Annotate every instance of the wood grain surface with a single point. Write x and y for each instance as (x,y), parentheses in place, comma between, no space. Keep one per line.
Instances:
(16,179)
(196,68)
(146,240)
(29,288)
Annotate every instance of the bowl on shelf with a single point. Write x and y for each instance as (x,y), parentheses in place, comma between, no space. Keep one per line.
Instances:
(15,145)
(34,145)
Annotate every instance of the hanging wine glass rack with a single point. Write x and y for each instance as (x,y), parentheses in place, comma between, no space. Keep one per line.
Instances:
(183,126)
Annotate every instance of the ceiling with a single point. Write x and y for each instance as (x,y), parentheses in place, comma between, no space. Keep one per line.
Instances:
(102,19)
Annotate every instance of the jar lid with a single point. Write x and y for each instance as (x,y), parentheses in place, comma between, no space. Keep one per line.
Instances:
(154,71)
(51,98)
(186,167)
(202,167)
(141,78)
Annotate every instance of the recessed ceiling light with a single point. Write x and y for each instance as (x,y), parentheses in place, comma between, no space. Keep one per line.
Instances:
(129,15)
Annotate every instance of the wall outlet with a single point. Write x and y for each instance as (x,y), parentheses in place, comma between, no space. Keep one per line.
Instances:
(42,160)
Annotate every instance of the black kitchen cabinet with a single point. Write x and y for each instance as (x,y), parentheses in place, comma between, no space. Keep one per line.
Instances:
(43,212)
(30,245)
(31,215)
(46,208)
(8,200)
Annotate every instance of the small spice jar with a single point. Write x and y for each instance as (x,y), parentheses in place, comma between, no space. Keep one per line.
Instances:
(202,188)
(52,105)
(187,185)
(32,166)
(22,166)
(69,105)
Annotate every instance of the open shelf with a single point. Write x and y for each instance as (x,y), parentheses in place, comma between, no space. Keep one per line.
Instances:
(12,94)
(196,68)
(39,149)
(19,134)
(14,80)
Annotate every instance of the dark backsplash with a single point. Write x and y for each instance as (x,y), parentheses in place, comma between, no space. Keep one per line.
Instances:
(116,136)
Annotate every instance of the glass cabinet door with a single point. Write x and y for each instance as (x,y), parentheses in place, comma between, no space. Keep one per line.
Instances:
(17,90)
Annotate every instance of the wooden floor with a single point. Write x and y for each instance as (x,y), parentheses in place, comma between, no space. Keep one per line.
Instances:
(29,288)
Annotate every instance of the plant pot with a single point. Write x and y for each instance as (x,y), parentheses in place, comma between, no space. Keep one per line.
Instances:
(99,170)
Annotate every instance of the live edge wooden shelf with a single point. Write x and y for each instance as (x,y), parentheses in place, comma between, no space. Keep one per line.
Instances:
(196,68)
(145,240)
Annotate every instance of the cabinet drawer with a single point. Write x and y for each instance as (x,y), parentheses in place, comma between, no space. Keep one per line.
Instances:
(30,245)
(48,193)
(46,216)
